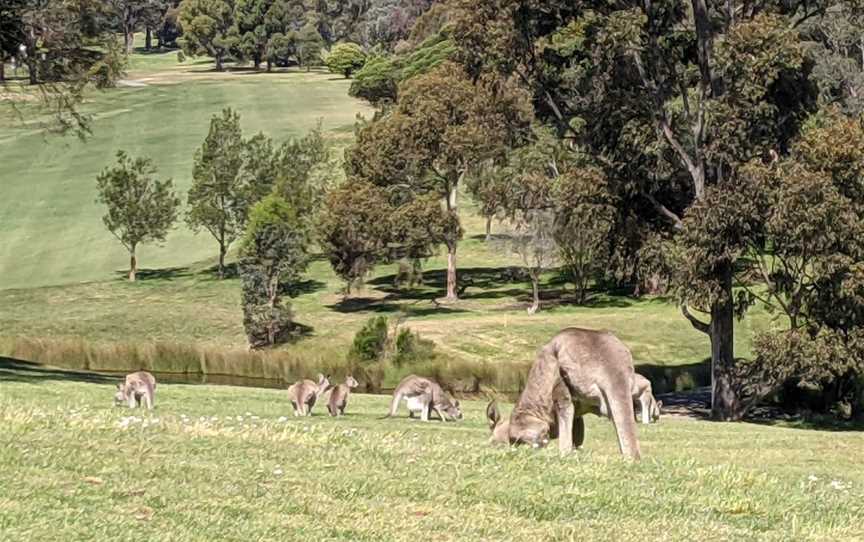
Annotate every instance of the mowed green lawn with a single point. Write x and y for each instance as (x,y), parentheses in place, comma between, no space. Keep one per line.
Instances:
(50,226)
(219,463)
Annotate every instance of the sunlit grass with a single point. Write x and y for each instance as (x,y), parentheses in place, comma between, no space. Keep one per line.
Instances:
(227,463)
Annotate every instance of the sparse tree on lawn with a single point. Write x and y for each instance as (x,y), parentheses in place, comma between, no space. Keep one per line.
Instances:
(218,199)
(533,239)
(141,208)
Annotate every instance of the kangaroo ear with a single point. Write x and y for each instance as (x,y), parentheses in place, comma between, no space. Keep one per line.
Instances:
(659,404)
(492,413)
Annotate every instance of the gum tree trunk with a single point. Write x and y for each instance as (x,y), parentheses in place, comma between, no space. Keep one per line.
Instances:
(133,265)
(725,403)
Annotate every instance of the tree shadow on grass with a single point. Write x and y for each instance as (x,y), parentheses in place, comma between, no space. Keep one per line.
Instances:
(16,370)
(390,305)
(168,273)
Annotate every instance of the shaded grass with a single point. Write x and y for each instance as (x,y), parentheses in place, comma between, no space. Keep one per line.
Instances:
(92,473)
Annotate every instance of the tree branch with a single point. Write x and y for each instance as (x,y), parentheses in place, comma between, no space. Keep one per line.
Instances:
(663,210)
(695,322)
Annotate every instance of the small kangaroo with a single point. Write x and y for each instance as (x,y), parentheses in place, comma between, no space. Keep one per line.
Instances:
(137,388)
(339,397)
(304,394)
(596,368)
(643,396)
(424,396)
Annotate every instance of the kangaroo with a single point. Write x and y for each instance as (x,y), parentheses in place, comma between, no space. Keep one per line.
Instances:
(643,395)
(304,394)
(649,407)
(560,395)
(339,397)
(137,388)
(424,396)
(596,368)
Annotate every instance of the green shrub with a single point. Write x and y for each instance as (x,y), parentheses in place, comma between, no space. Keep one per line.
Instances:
(370,342)
(410,347)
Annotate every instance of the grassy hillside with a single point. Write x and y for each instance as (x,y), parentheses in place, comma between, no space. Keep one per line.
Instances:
(230,463)
(50,226)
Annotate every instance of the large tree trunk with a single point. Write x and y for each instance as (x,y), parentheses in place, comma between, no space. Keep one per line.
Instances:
(451,273)
(452,206)
(219,63)
(133,266)
(2,69)
(725,403)
(129,40)
(148,38)
(269,65)
(222,251)
(535,286)
(488,228)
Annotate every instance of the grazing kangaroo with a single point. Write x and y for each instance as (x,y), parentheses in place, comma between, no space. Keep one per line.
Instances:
(649,407)
(643,395)
(339,397)
(138,387)
(423,395)
(304,394)
(596,369)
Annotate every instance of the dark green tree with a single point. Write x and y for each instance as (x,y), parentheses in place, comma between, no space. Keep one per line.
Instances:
(345,59)
(670,99)
(273,256)
(309,44)
(208,29)
(218,200)
(141,208)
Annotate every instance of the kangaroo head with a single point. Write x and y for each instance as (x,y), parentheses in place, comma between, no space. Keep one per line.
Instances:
(120,395)
(529,430)
(351,382)
(450,408)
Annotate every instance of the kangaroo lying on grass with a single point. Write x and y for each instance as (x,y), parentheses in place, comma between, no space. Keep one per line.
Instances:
(138,387)
(423,395)
(339,397)
(304,394)
(595,368)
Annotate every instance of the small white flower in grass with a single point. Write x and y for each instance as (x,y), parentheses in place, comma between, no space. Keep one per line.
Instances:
(255,418)
(837,484)
(813,478)
(283,419)
(278,472)
(239,418)
(248,414)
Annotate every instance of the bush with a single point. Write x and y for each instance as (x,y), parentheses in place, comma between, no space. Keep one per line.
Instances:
(345,59)
(376,81)
(410,348)
(370,342)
